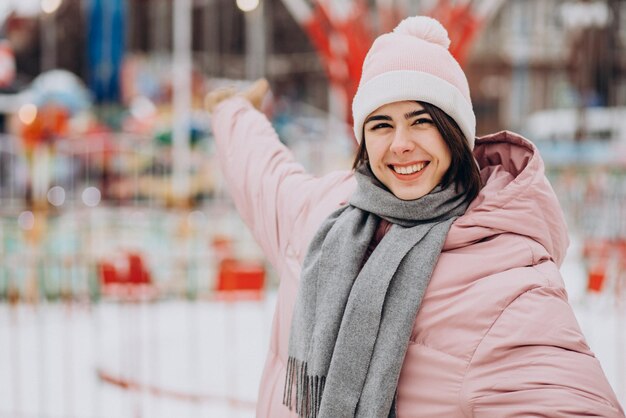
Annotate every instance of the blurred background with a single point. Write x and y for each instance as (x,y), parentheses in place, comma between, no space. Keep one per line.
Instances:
(129,287)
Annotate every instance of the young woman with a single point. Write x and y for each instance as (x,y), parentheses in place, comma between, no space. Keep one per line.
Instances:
(424,282)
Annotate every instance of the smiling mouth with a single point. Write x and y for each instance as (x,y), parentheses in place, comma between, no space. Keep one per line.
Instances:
(408,170)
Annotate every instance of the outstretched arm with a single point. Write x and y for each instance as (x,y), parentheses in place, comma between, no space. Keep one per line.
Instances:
(274,195)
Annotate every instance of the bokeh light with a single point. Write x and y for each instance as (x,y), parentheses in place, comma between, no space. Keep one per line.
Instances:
(56,196)
(91,196)
(50,6)
(141,107)
(26,220)
(27,113)
(247,5)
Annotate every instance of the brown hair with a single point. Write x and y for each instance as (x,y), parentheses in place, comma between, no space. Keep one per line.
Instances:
(463,169)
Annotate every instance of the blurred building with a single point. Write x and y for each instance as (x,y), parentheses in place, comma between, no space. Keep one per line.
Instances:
(44,41)
(531,54)
(222,34)
(538,55)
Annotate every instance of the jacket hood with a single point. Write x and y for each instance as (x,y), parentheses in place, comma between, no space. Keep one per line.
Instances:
(516,198)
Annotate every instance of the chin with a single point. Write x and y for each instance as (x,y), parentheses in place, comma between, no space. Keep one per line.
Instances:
(408,194)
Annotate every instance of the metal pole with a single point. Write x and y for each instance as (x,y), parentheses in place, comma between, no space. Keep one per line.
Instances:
(158,27)
(614,62)
(211,41)
(182,99)
(255,43)
(48,38)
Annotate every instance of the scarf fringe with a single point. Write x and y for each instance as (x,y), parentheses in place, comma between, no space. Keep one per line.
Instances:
(309,389)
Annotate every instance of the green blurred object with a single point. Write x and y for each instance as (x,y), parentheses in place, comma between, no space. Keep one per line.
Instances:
(111,115)
(195,135)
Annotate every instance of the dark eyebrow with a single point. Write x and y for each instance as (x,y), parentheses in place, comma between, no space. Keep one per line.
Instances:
(376,117)
(409,115)
(415,113)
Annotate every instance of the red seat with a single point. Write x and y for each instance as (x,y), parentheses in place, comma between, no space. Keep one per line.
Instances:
(237,279)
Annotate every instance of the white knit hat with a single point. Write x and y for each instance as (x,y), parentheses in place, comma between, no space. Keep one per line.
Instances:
(413,63)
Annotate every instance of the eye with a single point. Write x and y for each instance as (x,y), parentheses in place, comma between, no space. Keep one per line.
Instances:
(422,121)
(381,125)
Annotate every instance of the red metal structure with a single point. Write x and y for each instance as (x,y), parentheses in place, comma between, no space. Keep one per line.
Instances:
(7,64)
(342,32)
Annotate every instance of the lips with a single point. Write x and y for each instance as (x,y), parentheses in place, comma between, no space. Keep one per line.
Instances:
(408,172)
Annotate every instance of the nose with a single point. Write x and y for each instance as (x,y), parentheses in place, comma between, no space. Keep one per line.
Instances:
(401,142)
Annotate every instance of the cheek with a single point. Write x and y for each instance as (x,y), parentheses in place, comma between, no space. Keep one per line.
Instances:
(373,151)
(443,153)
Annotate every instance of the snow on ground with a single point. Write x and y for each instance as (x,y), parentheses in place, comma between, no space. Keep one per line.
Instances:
(191,358)
(178,359)
(602,317)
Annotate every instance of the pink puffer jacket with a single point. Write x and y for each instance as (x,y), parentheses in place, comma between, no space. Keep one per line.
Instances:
(495,335)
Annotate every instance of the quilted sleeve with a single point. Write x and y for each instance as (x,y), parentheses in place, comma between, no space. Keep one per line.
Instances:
(535,362)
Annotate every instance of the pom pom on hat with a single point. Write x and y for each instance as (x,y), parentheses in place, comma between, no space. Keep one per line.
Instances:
(425,28)
(413,63)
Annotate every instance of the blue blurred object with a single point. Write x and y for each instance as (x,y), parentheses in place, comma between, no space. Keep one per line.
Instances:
(106,48)
(60,87)
(582,154)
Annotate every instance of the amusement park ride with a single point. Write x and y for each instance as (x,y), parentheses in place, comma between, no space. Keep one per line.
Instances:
(342,32)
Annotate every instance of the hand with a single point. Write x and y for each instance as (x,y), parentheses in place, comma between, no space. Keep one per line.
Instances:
(254,94)
(215,97)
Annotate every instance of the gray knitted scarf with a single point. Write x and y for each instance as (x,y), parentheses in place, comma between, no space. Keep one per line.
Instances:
(352,321)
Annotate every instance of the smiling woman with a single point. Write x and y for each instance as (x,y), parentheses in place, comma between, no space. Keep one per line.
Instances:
(425,281)
(405,149)
(391,142)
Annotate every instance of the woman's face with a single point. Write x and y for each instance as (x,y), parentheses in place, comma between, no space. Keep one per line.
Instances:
(406,151)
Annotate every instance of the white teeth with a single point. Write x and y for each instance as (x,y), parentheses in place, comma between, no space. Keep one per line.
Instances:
(409,169)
